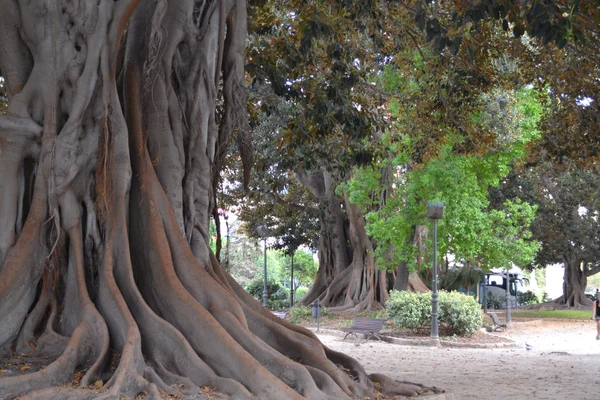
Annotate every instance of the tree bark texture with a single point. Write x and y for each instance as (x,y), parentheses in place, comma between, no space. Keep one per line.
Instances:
(348,278)
(574,283)
(108,159)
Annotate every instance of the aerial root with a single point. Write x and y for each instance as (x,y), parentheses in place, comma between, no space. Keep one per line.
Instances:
(325,383)
(390,387)
(353,367)
(151,376)
(288,371)
(58,372)
(33,321)
(295,346)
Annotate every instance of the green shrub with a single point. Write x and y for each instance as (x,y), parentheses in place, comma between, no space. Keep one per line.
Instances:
(459,314)
(279,304)
(299,313)
(299,294)
(282,293)
(527,297)
(409,310)
(495,302)
(278,295)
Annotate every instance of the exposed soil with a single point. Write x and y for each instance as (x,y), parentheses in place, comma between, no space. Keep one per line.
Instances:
(21,365)
(560,364)
(338,321)
(557,366)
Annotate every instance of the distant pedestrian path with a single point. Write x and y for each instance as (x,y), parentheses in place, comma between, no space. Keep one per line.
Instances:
(557,365)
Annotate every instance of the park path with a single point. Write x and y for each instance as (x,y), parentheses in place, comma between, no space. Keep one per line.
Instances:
(563,363)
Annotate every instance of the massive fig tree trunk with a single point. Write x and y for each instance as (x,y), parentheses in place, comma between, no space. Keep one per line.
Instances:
(574,283)
(108,158)
(348,278)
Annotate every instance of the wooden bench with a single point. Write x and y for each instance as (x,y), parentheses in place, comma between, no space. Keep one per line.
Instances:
(496,322)
(280,314)
(365,326)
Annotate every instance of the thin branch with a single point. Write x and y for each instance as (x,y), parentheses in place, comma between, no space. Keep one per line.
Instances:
(592,270)
(280,201)
(18,126)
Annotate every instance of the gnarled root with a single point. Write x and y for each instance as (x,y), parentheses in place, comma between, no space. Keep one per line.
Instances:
(95,259)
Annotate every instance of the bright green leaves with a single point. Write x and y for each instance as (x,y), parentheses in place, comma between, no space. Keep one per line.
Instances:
(509,240)
(393,194)
(568,207)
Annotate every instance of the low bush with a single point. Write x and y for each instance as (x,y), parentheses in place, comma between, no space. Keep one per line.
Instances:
(459,314)
(278,295)
(409,310)
(299,294)
(495,302)
(527,297)
(300,313)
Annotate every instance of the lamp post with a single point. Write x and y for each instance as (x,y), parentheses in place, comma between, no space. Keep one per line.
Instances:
(292,284)
(264,232)
(508,301)
(435,212)
(485,303)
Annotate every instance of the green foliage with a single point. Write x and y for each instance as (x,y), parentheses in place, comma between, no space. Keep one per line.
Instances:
(299,313)
(558,22)
(304,313)
(299,294)
(568,202)
(471,229)
(508,241)
(461,313)
(277,294)
(275,266)
(456,124)
(305,268)
(409,310)
(461,278)
(495,302)
(527,297)
(458,314)
(557,314)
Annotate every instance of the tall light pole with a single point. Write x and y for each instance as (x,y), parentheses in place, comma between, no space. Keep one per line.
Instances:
(292,284)
(508,301)
(435,212)
(264,232)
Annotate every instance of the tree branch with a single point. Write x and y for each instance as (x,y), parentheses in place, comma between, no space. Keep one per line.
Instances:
(17,126)
(592,270)
(280,201)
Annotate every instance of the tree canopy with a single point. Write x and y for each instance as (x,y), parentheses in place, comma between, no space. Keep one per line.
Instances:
(485,88)
(121,119)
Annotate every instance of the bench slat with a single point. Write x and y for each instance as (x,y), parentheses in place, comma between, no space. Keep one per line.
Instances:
(366,326)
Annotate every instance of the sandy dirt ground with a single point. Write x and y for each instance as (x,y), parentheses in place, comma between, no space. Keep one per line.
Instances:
(563,363)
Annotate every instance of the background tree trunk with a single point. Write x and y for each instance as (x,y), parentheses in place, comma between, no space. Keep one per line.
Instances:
(109,156)
(343,283)
(574,283)
(402,274)
(349,283)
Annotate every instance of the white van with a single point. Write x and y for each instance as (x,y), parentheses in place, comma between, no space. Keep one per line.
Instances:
(495,287)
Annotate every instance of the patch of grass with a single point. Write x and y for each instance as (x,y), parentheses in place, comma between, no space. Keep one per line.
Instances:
(558,314)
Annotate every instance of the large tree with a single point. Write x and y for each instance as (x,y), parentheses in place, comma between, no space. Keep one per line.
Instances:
(119,116)
(566,223)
